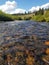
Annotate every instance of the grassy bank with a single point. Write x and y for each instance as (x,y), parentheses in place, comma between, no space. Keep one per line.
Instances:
(40,16)
(5,17)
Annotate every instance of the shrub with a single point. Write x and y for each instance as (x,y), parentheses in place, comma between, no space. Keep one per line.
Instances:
(5,17)
(47,19)
(39,18)
(27,18)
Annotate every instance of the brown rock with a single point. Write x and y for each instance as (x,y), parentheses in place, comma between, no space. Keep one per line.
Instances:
(47,43)
(47,51)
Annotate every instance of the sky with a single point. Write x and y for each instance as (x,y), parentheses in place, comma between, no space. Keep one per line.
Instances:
(20,6)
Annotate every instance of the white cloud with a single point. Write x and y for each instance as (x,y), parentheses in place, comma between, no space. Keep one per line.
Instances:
(34,9)
(8,6)
(16,11)
(11,7)
(45,6)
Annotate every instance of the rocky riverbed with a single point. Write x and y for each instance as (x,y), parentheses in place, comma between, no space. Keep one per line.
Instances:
(25,38)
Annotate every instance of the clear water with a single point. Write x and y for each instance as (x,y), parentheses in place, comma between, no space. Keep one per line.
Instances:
(21,29)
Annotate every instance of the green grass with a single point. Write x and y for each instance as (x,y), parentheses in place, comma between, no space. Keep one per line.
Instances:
(42,18)
(37,17)
(5,17)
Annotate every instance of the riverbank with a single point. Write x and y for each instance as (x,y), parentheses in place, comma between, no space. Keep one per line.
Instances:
(39,16)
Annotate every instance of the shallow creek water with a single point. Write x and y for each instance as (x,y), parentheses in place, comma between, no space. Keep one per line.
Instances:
(26,33)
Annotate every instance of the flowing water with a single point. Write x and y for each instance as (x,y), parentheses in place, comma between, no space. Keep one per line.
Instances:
(26,33)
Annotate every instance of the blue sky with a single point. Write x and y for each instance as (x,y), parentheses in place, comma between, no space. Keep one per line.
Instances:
(25,4)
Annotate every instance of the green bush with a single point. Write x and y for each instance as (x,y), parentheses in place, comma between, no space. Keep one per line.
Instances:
(5,17)
(18,18)
(39,18)
(47,19)
(27,18)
